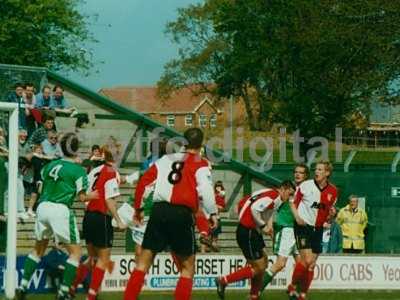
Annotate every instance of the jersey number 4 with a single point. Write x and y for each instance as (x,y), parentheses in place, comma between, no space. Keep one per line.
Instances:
(54,172)
(175,176)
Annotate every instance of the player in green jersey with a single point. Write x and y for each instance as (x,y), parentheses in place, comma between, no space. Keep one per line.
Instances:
(284,241)
(63,180)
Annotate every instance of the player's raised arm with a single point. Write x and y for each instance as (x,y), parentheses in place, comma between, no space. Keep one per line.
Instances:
(148,178)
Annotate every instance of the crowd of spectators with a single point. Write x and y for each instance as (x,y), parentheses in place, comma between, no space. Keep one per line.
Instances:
(38,140)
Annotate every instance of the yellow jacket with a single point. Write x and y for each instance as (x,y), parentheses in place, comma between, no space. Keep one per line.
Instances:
(353,225)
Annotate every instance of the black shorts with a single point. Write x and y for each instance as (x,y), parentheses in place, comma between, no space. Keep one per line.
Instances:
(97,229)
(251,242)
(217,230)
(309,237)
(170,227)
(30,187)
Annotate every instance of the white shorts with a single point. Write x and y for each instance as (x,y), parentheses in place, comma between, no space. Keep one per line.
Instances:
(126,212)
(138,232)
(285,242)
(55,219)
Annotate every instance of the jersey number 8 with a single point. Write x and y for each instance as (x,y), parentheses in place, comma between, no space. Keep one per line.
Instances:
(175,175)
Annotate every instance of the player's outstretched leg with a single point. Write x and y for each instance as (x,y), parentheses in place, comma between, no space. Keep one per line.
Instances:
(220,288)
(81,273)
(71,265)
(30,265)
(241,274)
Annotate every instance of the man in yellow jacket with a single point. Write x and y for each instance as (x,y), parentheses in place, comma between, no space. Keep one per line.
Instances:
(353,221)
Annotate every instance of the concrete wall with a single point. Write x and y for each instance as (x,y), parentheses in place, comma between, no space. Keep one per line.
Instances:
(98,131)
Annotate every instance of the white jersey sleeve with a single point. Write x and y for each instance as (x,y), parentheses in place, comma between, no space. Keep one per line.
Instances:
(205,190)
(259,208)
(111,188)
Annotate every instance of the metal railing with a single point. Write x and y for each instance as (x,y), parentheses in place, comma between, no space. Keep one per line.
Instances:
(373,142)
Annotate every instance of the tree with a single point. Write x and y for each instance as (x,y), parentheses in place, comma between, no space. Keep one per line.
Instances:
(306,64)
(46,33)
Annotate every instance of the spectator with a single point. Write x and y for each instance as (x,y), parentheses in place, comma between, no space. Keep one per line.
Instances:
(25,152)
(353,221)
(38,161)
(3,186)
(17,97)
(43,99)
(51,147)
(219,190)
(23,166)
(23,147)
(3,143)
(31,116)
(96,153)
(332,236)
(95,159)
(59,103)
(29,96)
(40,134)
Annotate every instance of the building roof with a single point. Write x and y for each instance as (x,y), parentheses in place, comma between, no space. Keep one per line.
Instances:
(146,100)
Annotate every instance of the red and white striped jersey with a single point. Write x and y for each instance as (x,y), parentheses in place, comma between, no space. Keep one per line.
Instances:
(256,209)
(313,203)
(181,179)
(105,180)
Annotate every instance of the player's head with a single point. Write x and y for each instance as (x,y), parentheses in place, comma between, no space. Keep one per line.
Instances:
(300,173)
(107,155)
(353,201)
(69,144)
(323,170)
(286,190)
(194,138)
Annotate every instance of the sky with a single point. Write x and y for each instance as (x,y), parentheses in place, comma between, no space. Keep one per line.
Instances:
(132,44)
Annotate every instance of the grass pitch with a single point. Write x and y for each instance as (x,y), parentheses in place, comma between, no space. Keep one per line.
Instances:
(234,295)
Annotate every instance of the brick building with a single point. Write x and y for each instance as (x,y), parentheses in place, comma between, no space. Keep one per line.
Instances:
(183,109)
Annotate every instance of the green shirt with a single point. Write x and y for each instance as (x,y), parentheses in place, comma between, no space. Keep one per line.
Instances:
(147,204)
(62,181)
(284,217)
